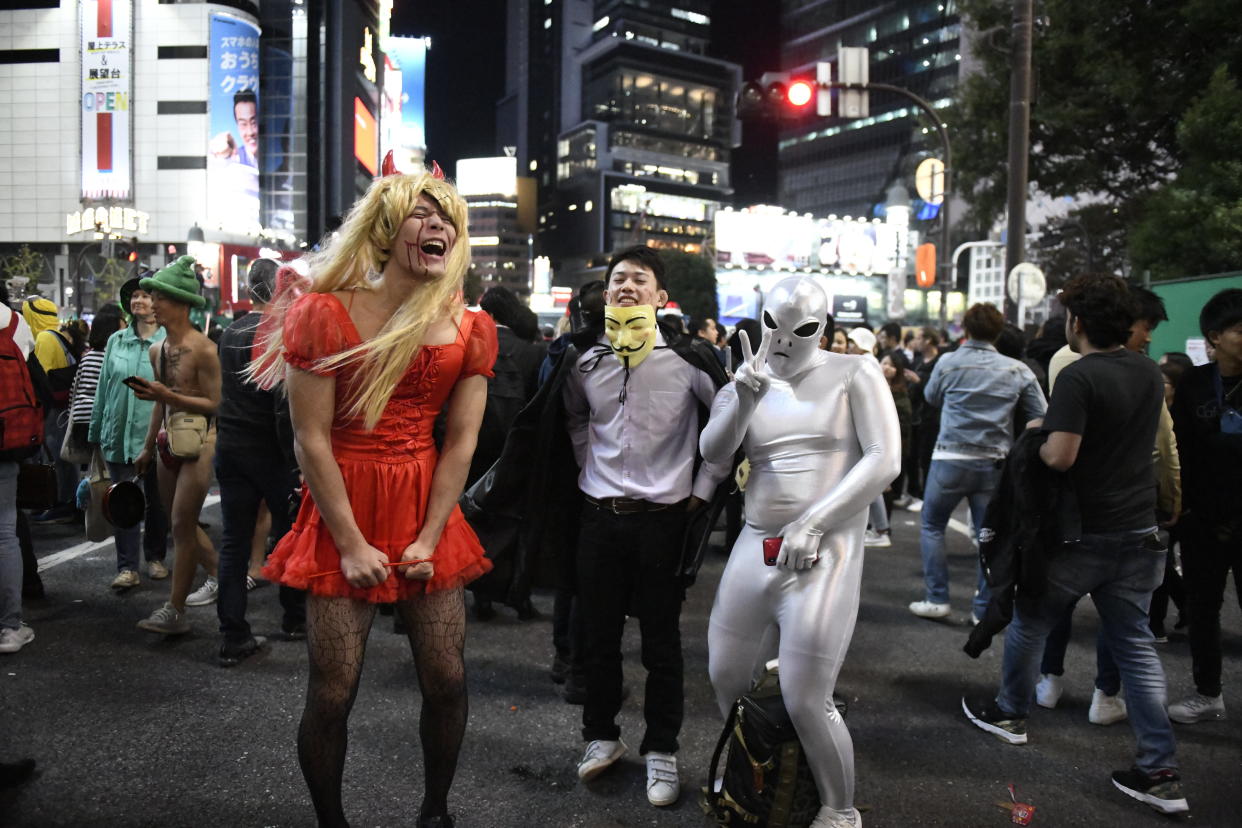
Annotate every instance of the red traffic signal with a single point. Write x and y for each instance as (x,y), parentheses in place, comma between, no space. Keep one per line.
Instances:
(800,93)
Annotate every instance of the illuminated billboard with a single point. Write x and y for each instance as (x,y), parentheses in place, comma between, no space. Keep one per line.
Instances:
(769,237)
(366,137)
(233,125)
(409,57)
(107,84)
(487,176)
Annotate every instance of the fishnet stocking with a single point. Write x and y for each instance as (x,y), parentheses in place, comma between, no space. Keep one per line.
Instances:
(437,629)
(336,638)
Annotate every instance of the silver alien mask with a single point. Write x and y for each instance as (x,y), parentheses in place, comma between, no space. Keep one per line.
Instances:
(795,314)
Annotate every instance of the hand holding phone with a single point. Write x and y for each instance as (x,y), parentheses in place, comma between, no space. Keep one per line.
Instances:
(771,549)
(135,382)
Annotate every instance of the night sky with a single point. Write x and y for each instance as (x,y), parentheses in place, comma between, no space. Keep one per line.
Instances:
(465,78)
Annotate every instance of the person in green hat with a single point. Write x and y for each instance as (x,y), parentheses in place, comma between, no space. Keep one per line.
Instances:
(187,371)
(118,426)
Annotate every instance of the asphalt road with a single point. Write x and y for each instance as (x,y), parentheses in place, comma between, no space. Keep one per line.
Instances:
(130,729)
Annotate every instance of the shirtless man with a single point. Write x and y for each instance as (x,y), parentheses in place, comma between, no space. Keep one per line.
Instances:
(188,369)
(821,434)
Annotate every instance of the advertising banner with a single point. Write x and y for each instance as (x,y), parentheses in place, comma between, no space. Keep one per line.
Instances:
(107,83)
(768,237)
(405,84)
(233,125)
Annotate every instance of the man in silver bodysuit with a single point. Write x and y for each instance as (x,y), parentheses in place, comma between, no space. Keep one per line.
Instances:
(820,431)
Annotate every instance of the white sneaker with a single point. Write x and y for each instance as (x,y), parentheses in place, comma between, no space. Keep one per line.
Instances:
(12,640)
(1105,709)
(1048,691)
(915,505)
(832,818)
(1196,708)
(663,784)
(929,609)
(165,620)
(902,502)
(599,757)
(204,595)
(881,539)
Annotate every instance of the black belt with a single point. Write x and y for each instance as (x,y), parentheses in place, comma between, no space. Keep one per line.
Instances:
(630,505)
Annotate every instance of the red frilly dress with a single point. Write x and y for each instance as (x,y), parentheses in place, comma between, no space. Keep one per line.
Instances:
(388,470)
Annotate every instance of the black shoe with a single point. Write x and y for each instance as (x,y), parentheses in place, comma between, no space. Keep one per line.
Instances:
(986,715)
(526,611)
(1161,790)
(16,773)
(294,632)
(438,821)
(231,656)
(560,669)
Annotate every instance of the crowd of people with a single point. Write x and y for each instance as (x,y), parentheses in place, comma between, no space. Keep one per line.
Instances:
(597,464)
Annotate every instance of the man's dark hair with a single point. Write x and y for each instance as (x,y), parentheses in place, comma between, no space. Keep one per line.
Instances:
(931,336)
(646,256)
(104,325)
(701,325)
(1182,362)
(892,330)
(503,306)
(1148,306)
(1011,342)
(1174,371)
(1224,310)
(1104,306)
(261,279)
(245,96)
(753,333)
(983,321)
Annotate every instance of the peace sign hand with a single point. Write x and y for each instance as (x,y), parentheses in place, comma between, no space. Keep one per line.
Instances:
(752,378)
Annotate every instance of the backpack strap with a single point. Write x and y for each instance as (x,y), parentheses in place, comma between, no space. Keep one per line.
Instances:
(11,328)
(713,772)
(64,346)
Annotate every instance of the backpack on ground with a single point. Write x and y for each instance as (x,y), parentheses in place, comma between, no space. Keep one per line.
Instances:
(766,781)
(21,416)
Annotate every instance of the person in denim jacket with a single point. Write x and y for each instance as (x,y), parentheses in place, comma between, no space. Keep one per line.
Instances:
(976,390)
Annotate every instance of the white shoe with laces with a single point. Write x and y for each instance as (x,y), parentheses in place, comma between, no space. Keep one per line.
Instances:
(1105,709)
(929,609)
(873,538)
(204,595)
(599,756)
(1048,691)
(1197,708)
(663,783)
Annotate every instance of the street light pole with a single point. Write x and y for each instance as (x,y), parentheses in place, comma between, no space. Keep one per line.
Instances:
(1019,139)
(943,261)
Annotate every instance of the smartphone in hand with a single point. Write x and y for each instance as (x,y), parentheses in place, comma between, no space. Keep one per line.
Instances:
(771,550)
(135,382)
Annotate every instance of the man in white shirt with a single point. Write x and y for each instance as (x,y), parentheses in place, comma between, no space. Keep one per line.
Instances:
(633,417)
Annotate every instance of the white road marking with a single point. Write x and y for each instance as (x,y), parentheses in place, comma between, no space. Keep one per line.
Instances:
(87,547)
(957,526)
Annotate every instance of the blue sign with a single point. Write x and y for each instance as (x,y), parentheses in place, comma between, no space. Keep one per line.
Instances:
(233,125)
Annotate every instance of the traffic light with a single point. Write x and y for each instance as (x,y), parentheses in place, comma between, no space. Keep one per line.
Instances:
(776,95)
(125,249)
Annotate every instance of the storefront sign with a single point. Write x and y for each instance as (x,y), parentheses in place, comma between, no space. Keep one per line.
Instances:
(107,83)
(107,220)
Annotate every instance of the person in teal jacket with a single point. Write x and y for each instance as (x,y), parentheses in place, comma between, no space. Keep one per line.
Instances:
(119,423)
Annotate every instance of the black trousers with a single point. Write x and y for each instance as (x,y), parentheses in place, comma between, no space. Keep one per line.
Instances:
(1207,557)
(248,477)
(628,564)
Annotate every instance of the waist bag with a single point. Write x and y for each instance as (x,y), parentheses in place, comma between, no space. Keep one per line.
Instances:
(766,780)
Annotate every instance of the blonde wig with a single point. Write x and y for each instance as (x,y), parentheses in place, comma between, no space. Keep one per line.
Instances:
(362,247)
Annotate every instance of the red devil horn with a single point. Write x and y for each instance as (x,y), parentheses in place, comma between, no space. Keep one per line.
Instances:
(436,172)
(389,167)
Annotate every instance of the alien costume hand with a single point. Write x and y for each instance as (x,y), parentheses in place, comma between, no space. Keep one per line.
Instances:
(752,377)
(800,546)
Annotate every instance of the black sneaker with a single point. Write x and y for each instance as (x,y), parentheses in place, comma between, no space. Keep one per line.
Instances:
(987,716)
(1161,790)
(560,669)
(231,656)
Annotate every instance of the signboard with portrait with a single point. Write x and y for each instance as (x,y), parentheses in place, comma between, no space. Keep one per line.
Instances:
(107,85)
(233,125)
